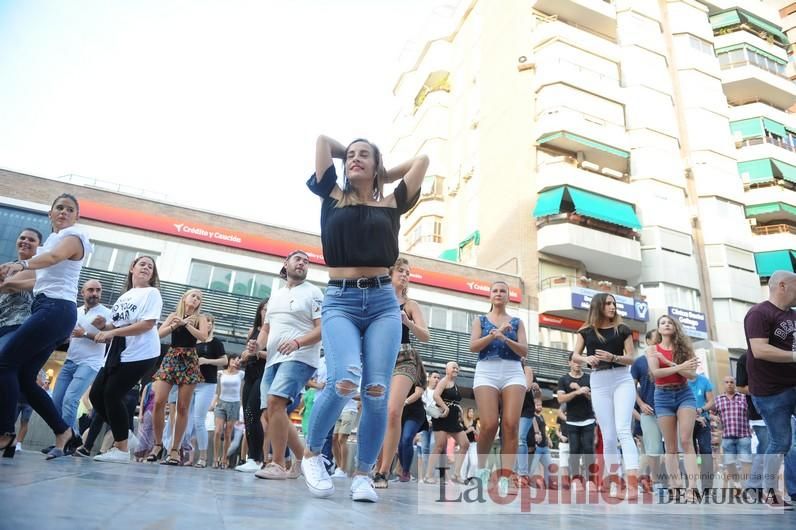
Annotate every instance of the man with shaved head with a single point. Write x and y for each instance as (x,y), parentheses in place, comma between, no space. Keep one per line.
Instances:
(771,364)
(84,357)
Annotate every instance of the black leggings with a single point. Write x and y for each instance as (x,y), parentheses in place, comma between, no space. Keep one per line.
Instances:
(109,391)
(581,442)
(250,395)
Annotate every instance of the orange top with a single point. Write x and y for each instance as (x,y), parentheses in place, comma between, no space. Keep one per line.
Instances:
(674,379)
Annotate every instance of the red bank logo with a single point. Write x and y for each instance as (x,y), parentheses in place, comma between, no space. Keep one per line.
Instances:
(182,228)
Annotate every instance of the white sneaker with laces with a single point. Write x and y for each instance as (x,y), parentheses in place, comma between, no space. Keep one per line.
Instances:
(115,456)
(362,489)
(339,473)
(249,467)
(317,478)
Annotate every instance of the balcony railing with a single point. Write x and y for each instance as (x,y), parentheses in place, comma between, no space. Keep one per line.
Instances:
(589,283)
(768,230)
(562,112)
(587,73)
(587,222)
(739,64)
(235,313)
(760,140)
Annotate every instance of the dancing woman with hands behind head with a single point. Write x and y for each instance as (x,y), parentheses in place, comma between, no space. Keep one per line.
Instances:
(361,318)
(671,362)
(609,348)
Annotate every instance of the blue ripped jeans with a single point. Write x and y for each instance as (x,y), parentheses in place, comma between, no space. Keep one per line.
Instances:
(361,330)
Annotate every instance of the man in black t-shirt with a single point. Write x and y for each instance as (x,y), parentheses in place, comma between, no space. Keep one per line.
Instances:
(755,422)
(573,389)
(770,328)
(538,437)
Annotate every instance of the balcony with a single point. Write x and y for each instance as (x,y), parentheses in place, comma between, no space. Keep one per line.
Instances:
(735,283)
(745,81)
(552,70)
(550,30)
(585,240)
(598,16)
(772,237)
(564,170)
(571,131)
(562,295)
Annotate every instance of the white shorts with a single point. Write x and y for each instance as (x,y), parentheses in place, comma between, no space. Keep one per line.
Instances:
(563,454)
(499,373)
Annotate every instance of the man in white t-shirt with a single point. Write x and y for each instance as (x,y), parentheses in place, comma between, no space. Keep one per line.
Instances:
(291,335)
(84,357)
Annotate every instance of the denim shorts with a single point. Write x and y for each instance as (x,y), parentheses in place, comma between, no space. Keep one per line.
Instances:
(227,410)
(735,450)
(668,401)
(286,380)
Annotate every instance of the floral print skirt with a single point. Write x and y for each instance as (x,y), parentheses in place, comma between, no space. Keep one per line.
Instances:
(180,367)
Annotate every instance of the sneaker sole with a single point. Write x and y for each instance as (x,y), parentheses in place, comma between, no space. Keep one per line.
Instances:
(364,498)
(320,494)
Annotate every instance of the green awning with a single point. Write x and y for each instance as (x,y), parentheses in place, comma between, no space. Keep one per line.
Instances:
(757,170)
(474,238)
(774,127)
(768,262)
(760,209)
(787,171)
(549,202)
(452,254)
(725,19)
(584,141)
(755,49)
(604,209)
(735,17)
(751,128)
(766,26)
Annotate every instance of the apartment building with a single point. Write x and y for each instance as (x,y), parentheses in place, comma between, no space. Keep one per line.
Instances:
(639,147)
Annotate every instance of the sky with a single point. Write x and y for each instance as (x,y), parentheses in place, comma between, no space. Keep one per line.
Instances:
(212,104)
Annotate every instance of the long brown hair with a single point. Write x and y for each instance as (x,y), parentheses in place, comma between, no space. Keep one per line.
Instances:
(682,349)
(596,315)
(349,197)
(154,281)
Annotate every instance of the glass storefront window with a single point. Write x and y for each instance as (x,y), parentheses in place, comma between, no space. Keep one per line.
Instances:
(220,279)
(12,221)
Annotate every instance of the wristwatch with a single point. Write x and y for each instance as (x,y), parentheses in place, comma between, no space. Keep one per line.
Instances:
(24,264)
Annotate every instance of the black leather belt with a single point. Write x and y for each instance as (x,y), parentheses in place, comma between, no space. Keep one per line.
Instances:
(362,283)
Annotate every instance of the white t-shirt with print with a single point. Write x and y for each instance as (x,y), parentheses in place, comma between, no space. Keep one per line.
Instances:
(137,304)
(60,281)
(291,314)
(83,350)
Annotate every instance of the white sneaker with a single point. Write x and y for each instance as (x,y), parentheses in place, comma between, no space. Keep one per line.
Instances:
(339,473)
(249,467)
(317,478)
(115,456)
(362,489)
(19,447)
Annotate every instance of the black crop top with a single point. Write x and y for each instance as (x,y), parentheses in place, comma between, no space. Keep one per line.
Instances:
(182,338)
(361,235)
(614,343)
(404,331)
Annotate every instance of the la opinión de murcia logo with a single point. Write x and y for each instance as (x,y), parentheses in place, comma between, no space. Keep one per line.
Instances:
(182,228)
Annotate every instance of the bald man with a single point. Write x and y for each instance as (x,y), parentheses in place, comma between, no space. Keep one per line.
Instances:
(771,365)
(84,357)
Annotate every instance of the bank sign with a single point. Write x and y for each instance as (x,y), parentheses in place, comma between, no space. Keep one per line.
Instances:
(625,306)
(694,324)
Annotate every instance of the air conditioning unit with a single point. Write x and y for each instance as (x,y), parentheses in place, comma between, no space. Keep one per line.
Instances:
(745,178)
(737,137)
(752,221)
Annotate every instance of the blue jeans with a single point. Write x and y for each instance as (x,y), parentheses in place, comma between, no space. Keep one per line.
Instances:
(543,454)
(522,446)
(406,446)
(426,439)
(756,475)
(23,355)
(361,331)
(790,462)
(72,383)
(202,397)
(705,450)
(776,411)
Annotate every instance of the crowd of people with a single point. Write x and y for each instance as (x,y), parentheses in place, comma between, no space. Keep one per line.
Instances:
(344,360)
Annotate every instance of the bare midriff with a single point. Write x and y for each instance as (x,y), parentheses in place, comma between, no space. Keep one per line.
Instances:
(352,273)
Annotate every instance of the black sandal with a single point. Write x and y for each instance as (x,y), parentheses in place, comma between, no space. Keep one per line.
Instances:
(171,460)
(11,447)
(153,455)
